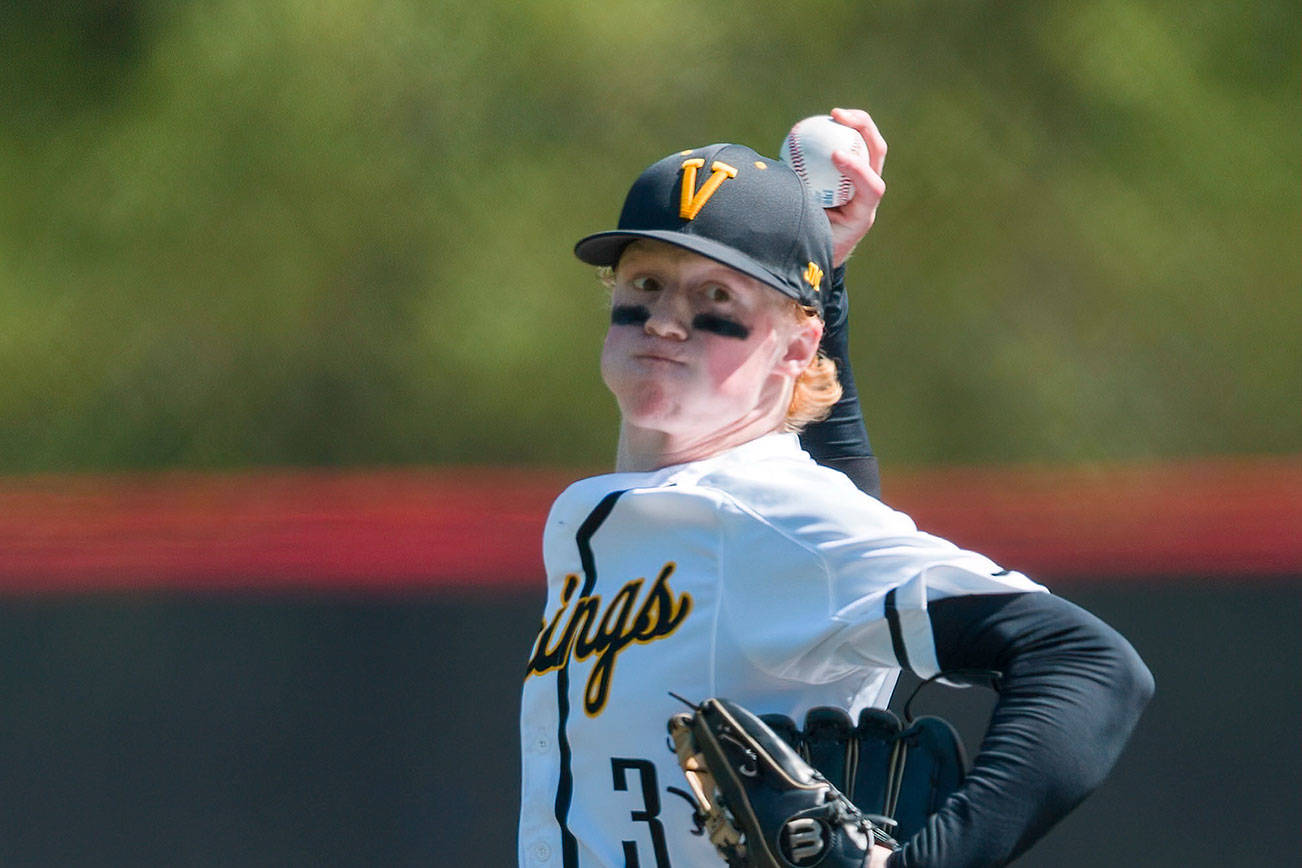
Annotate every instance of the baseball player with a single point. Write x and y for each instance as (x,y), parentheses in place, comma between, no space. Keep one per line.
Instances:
(720,559)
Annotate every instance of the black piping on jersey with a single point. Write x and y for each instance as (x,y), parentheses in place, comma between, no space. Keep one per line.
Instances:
(897,634)
(565,785)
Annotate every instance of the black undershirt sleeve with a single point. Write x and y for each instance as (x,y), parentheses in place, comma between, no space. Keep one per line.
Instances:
(1071,690)
(841,440)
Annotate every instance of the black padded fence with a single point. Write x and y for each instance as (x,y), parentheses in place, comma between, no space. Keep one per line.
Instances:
(175,728)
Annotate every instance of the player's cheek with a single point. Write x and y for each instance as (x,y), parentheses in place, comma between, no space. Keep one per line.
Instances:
(734,366)
(610,358)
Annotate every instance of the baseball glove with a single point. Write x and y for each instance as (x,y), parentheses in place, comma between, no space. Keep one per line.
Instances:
(897,774)
(763,806)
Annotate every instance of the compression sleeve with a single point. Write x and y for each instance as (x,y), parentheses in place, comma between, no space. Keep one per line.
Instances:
(841,440)
(1071,690)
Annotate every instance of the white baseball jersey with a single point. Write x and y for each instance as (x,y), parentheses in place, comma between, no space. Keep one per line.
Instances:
(756,575)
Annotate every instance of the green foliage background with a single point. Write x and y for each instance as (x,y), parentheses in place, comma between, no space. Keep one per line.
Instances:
(255,232)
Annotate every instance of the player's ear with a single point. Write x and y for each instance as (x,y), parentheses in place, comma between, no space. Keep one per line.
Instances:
(802,345)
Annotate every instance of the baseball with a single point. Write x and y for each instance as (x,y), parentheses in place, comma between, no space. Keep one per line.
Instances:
(808,150)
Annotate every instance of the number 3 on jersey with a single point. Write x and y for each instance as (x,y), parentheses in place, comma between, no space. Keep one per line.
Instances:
(650,813)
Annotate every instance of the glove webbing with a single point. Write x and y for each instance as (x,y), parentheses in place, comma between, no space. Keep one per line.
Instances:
(896,775)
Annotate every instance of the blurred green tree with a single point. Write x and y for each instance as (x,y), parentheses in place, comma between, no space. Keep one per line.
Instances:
(256,232)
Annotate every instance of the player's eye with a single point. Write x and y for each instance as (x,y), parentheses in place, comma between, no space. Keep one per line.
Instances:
(717,294)
(646,283)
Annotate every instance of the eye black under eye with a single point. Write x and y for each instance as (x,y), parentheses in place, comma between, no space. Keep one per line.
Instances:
(629,314)
(720,325)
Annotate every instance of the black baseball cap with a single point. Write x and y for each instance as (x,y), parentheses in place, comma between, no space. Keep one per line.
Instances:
(730,204)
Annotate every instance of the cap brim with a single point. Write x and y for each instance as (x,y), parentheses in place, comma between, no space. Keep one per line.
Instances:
(605,248)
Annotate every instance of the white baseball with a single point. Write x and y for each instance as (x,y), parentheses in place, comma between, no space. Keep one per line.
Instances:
(808,150)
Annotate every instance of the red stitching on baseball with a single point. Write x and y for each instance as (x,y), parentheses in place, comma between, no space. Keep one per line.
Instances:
(797,158)
(844,189)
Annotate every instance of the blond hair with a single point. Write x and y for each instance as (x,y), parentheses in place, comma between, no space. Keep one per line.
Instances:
(817,389)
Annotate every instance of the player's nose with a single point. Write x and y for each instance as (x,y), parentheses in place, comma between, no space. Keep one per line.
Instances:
(670,315)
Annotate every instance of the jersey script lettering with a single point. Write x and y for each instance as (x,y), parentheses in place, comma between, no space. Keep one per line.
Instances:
(589,631)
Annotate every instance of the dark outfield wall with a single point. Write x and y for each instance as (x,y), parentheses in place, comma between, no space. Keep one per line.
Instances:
(168,728)
(316,668)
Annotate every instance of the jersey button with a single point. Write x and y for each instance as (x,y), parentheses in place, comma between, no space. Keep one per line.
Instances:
(541,851)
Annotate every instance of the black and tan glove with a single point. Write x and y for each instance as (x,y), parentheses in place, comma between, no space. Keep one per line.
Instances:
(763,805)
(898,774)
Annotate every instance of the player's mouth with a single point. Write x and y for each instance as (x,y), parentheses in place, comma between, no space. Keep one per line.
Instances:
(658,358)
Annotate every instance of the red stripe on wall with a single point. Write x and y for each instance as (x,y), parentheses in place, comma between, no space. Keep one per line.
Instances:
(481,528)
(281,529)
(1223,518)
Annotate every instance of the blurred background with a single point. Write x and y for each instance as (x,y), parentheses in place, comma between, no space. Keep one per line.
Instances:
(294,354)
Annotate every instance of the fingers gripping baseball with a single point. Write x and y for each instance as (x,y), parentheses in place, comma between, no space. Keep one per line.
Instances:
(852,220)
